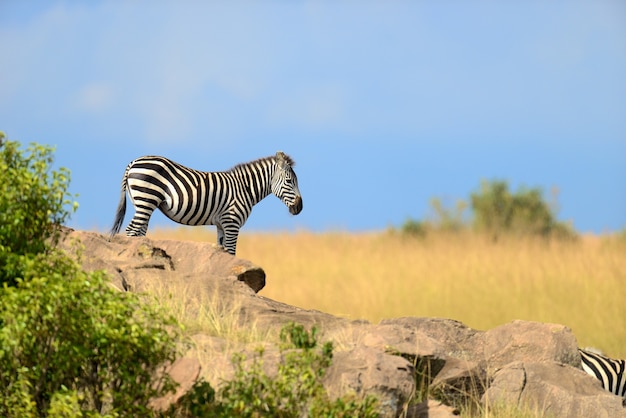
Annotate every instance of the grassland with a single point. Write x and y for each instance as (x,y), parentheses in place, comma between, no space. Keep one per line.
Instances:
(466,277)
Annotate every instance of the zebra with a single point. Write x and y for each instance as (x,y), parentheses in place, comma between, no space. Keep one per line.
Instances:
(192,197)
(608,371)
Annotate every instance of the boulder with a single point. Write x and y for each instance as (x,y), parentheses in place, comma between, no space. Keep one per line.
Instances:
(530,342)
(132,260)
(524,363)
(368,371)
(184,371)
(552,389)
(455,338)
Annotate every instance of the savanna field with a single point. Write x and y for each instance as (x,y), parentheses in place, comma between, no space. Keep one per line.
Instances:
(468,277)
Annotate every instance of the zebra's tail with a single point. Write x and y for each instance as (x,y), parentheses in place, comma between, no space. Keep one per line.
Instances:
(121,208)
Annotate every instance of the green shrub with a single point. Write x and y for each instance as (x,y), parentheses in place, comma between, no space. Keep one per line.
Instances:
(295,391)
(70,344)
(443,218)
(413,228)
(33,203)
(71,333)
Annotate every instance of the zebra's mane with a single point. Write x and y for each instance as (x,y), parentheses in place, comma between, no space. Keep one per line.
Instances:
(272,158)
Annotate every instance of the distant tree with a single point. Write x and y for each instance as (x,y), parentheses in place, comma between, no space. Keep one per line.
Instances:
(499,211)
(445,218)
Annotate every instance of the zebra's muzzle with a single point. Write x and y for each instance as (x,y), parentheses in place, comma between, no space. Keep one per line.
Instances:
(296,208)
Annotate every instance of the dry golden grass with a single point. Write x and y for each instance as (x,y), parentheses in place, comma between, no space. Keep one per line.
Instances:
(201,311)
(204,315)
(465,277)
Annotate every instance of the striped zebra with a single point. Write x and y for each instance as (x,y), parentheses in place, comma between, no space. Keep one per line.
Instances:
(608,371)
(191,197)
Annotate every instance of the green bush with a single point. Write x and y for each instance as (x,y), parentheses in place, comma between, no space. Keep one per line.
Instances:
(413,228)
(442,219)
(295,391)
(70,344)
(33,203)
(71,333)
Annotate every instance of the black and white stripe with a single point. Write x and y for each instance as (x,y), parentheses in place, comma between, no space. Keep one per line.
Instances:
(608,371)
(191,197)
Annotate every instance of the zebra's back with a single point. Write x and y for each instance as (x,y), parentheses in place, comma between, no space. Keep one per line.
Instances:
(183,194)
(608,371)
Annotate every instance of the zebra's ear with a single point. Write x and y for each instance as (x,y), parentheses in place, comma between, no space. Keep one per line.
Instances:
(281,158)
(284,160)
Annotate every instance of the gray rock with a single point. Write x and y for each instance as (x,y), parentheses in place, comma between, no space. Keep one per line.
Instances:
(132,260)
(530,342)
(185,371)
(552,388)
(366,370)
(521,363)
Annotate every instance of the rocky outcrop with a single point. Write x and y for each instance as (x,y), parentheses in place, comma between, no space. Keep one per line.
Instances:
(130,262)
(554,388)
(399,360)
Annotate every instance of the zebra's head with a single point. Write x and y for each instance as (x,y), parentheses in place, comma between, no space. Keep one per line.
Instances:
(285,183)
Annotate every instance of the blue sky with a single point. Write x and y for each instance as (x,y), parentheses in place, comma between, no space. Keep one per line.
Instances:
(383,105)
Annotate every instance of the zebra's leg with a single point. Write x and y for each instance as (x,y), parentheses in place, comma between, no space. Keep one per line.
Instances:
(231,233)
(138,226)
